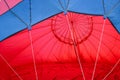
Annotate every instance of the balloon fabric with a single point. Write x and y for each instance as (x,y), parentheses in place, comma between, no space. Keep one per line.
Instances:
(59,40)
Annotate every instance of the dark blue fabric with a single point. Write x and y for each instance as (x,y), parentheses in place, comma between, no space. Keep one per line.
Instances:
(42,9)
(87,6)
(22,10)
(108,5)
(9,25)
(112,11)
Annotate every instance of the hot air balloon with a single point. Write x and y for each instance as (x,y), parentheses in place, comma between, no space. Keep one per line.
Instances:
(59,40)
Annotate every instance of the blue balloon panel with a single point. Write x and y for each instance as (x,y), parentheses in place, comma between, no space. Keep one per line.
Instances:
(9,24)
(94,7)
(114,17)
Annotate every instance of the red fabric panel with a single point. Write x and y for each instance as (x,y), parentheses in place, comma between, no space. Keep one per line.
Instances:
(11,3)
(54,51)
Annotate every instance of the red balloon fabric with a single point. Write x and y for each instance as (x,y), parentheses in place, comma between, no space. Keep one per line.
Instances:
(54,51)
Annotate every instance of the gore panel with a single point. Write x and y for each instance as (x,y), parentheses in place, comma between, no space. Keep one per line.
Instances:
(9,24)
(42,9)
(94,7)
